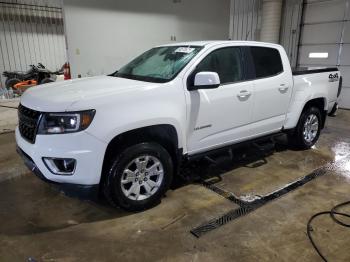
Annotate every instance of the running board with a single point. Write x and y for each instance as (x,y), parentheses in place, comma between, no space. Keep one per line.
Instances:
(228,148)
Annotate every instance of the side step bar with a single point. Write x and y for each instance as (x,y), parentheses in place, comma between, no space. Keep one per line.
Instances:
(235,145)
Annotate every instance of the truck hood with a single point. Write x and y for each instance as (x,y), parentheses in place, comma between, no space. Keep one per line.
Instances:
(60,96)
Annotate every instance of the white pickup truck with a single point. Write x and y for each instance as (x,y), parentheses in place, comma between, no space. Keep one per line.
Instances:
(126,134)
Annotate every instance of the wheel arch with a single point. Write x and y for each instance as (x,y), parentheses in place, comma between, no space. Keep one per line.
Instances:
(321,104)
(164,134)
(298,107)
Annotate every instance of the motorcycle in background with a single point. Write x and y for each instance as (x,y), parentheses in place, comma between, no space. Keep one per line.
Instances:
(38,74)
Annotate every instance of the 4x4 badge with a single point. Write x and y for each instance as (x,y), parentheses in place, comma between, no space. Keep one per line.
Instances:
(333,77)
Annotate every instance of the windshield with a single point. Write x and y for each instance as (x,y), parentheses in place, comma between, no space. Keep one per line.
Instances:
(160,64)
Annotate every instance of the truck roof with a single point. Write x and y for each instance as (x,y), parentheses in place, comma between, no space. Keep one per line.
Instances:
(210,43)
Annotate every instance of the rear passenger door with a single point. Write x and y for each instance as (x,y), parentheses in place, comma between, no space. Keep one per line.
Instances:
(272,89)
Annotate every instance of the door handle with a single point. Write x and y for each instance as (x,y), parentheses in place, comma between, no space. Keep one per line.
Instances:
(243,94)
(283,88)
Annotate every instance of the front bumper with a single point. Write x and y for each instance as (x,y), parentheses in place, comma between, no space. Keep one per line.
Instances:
(87,150)
(72,190)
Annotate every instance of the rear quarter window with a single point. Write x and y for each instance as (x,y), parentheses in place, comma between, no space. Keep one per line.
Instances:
(267,61)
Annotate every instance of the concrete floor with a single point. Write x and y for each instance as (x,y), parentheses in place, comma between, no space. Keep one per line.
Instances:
(38,222)
(8,116)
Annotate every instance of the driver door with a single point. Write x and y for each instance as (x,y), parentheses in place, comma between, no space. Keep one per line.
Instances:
(220,116)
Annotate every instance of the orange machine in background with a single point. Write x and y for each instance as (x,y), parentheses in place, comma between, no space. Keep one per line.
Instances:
(24,85)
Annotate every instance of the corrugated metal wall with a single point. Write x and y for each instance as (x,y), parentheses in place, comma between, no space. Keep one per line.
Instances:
(290,28)
(245,19)
(31,31)
(245,23)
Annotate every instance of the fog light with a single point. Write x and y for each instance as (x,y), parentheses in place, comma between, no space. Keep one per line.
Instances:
(60,166)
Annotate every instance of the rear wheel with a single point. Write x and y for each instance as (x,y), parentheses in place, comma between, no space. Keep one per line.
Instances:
(139,177)
(308,129)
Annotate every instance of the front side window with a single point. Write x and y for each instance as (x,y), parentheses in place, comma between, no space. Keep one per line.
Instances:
(226,62)
(160,64)
(267,61)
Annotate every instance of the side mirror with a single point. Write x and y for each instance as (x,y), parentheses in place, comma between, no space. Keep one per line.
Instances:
(206,80)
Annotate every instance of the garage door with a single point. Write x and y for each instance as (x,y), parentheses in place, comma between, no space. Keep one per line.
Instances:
(325,39)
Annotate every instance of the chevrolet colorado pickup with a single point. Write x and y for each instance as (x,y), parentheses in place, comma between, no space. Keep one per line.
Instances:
(125,134)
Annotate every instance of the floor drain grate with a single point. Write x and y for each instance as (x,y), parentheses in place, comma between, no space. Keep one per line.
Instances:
(247,207)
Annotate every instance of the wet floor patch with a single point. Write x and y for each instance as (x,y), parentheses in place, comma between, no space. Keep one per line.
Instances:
(37,221)
(30,206)
(252,172)
(249,205)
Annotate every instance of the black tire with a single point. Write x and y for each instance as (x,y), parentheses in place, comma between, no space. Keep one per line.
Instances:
(112,187)
(46,80)
(11,82)
(334,110)
(297,138)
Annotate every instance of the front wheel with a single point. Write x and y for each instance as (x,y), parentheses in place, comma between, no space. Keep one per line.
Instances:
(308,129)
(139,177)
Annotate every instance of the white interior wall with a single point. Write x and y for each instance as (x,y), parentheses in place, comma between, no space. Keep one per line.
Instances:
(104,35)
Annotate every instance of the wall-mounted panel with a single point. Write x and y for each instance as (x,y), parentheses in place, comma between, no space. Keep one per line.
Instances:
(345,72)
(324,11)
(345,55)
(346,36)
(322,33)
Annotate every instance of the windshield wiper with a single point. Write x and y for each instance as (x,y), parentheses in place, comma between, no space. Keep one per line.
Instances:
(113,74)
(141,78)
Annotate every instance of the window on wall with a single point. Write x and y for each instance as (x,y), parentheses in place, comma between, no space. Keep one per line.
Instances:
(318,55)
(267,61)
(227,62)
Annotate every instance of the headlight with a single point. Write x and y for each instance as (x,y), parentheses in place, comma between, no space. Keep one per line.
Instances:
(60,123)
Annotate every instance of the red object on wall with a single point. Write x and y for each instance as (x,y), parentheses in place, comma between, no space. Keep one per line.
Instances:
(66,71)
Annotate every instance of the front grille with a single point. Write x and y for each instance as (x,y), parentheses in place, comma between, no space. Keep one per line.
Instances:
(28,121)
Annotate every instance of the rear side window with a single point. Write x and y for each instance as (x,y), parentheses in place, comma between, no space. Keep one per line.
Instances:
(267,61)
(226,62)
